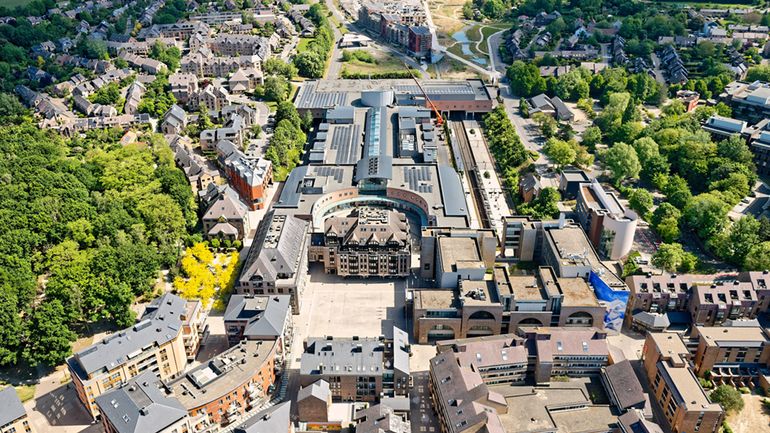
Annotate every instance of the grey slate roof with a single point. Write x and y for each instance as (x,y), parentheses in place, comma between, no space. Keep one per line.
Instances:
(228,205)
(12,407)
(318,390)
(139,406)
(266,315)
(652,320)
(451,191)
(273,420)
(160,324)
(625,384)
(276,248)
(633,423)
(343,357)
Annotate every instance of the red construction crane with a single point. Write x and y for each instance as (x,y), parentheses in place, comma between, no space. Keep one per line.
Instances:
(439,118)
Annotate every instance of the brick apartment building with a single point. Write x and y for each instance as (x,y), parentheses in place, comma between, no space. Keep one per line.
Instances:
(710,300)
(675,387)
(221,390)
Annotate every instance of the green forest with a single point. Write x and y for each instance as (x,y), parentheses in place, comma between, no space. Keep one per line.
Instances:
(87,225)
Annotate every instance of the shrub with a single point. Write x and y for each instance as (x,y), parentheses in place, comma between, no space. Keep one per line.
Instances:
(728,397)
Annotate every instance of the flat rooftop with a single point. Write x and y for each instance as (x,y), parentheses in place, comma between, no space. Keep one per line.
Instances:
(458,252)
(435,300)
(577,293)
(220,375)
(684,383)
(719,335)
(530,410)
(321,94)
(670,345)
(573,248)
(478,293)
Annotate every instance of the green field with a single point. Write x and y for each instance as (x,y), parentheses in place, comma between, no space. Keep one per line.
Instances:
(302,45)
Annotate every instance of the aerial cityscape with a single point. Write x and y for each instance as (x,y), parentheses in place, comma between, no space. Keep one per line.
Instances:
(384,216)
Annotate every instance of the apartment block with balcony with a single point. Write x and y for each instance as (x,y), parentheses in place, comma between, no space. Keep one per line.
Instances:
(141,406)
(709,299)
(276,263)
(157,343)
(255,317)
(686,407)
(734,355)
(368,242)
(357,369)
(221,391)
(13,417)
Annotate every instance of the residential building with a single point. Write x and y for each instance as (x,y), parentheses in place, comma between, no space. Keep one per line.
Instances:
(357,369)
(174,121)
(749,101)
(214,98)
(160,342)
(232,45)
(553,107)
(608,224)
(13,417)
(245,80)
(366,242)
(183,85)
(709,300)
(141,406)
(134,95)
(203,63)
(276,419)
(260,317)
(686,407)
(227,217)
(250,178)
(276,263)
(732,355)
(223,389)
(381,419)
(200,172)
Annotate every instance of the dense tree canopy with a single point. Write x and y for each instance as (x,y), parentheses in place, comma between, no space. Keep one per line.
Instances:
(97,226)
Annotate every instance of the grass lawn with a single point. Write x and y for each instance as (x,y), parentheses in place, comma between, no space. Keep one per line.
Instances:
(25,392)
(302,45)
(385,63)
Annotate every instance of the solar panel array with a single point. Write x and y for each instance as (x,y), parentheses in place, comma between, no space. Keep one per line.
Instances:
(345,141)
(333,172)
(419,179)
